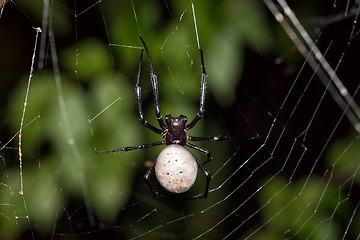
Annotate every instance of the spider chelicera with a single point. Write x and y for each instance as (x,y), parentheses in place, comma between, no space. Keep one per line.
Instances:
(175,167)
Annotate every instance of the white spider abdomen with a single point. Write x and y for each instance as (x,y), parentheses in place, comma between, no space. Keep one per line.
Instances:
(176,168)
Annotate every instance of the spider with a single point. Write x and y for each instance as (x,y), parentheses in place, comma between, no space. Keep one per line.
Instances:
(175,167)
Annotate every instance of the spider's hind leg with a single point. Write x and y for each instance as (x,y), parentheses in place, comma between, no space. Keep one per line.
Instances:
(208,179)
(147,180)
(204,151)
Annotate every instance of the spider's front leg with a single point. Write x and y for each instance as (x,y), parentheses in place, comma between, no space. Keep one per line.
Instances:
(139,101)
(155,88)
(203,83)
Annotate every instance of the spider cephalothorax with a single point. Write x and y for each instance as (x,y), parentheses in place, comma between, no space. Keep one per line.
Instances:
(175,167)
(175,132)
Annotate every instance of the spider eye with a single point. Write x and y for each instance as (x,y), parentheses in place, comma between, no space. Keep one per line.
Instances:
(183,118)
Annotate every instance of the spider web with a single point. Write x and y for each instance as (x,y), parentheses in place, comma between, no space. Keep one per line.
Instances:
(283,79)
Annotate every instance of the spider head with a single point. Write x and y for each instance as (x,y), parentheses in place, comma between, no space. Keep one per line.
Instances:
(176,122)
(176,129)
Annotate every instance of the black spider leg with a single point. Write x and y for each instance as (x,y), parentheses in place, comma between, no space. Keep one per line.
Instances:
(208,179)
(125,149)
(201,111)
(147,179)
(209,139)
(208,154)
(204,151)
(139,101)
(214,139)
(154,84)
